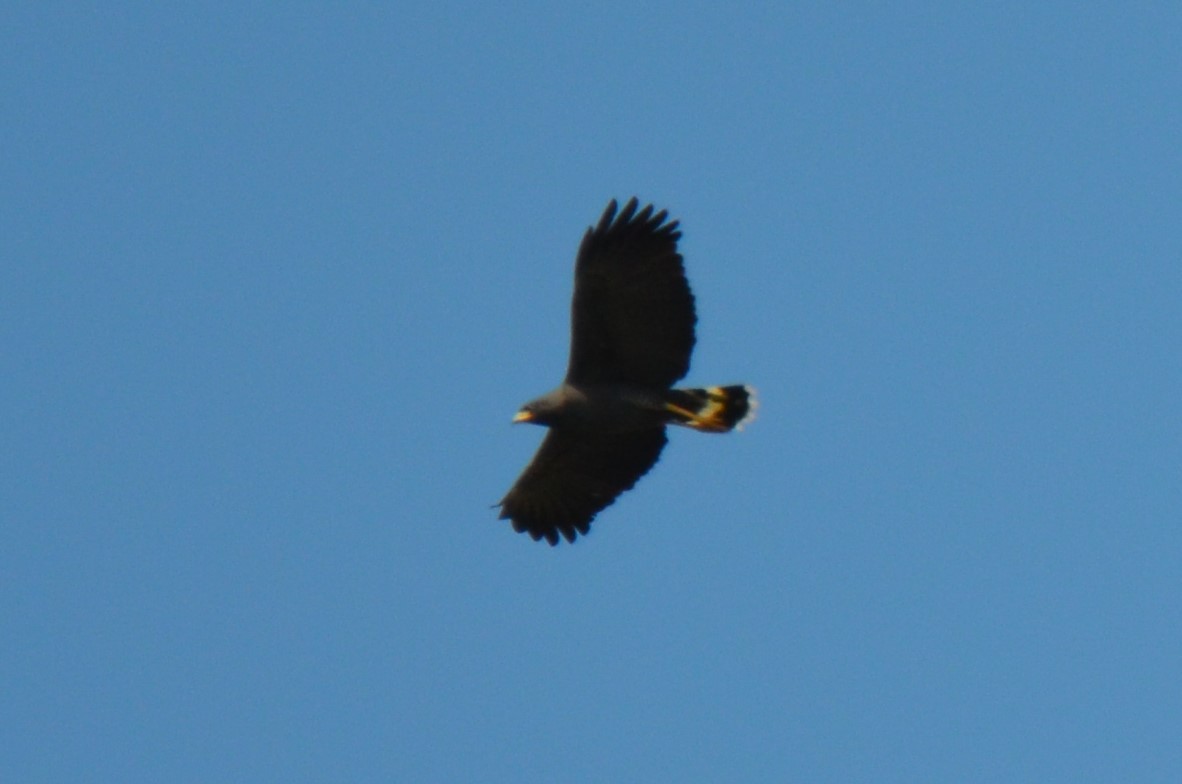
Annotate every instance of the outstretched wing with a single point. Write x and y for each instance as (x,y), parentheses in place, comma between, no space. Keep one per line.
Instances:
(574,476)
(632,316)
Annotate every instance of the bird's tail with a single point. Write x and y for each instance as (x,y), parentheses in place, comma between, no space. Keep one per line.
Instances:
(713,409)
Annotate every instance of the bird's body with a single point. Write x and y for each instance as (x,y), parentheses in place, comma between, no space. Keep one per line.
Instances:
(632,333)
(599,408)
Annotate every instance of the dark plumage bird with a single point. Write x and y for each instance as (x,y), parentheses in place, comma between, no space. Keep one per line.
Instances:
(632,332)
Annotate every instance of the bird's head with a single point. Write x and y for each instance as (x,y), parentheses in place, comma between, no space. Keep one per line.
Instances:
(542,411)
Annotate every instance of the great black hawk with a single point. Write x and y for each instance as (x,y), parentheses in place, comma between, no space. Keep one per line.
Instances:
(632,332)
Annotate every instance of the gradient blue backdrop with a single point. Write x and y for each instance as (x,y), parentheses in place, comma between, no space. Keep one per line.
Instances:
(274,277)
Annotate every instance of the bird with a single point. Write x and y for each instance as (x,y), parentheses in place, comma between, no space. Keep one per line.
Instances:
(632,334)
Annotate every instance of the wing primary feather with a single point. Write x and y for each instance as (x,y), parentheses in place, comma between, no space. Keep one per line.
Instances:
(606,220)
(627,213)
(642,218)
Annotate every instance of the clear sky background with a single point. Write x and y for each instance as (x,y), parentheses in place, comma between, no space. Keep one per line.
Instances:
(274,278)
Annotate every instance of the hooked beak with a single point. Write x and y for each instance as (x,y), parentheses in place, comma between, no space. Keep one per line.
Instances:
(523,416)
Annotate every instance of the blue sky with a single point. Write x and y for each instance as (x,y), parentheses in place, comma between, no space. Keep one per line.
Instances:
(275,277)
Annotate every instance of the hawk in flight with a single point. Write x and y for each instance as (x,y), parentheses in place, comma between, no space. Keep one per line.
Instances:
(632,332)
